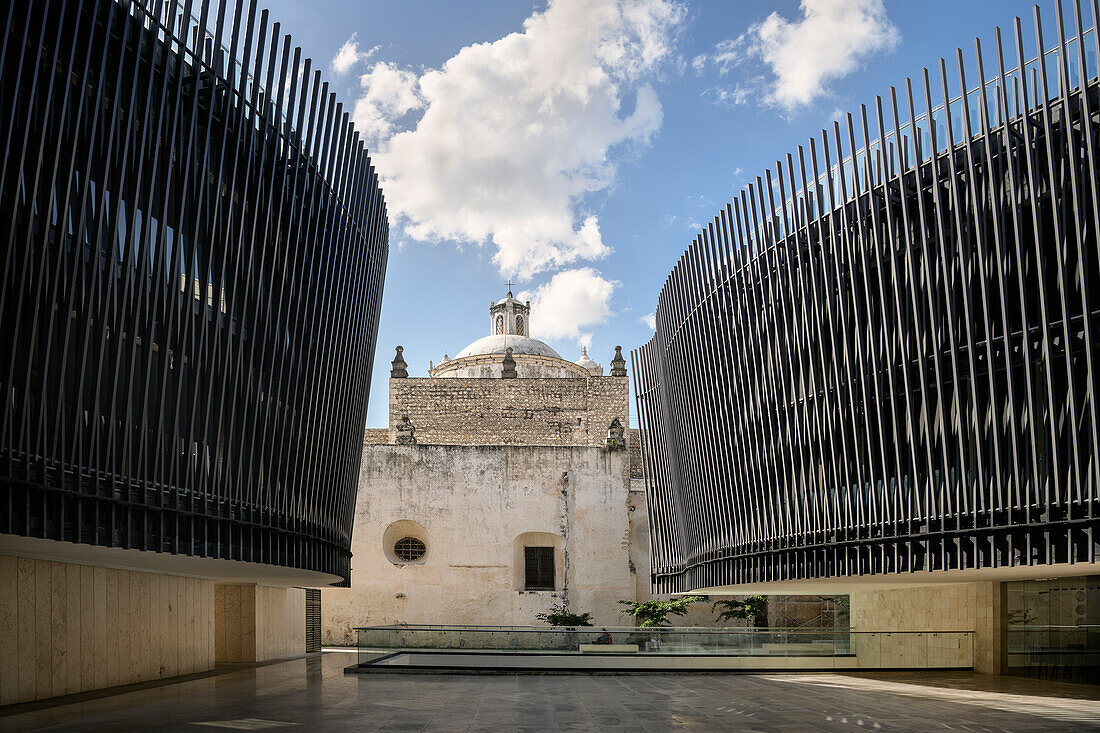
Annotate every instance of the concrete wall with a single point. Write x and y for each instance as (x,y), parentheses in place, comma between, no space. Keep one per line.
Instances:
(256,623)
(68,628)
(473,502)
(948,607)
(510,411)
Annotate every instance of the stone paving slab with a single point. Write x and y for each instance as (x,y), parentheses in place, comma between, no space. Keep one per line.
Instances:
(314,694)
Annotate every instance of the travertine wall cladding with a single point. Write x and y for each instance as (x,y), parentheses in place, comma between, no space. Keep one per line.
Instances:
(948,607)
(510,411)
(67,628)
(257,622)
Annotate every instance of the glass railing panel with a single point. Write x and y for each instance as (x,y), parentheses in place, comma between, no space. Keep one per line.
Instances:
(871,650)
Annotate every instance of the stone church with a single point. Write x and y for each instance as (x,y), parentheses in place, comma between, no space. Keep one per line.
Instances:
(506,484)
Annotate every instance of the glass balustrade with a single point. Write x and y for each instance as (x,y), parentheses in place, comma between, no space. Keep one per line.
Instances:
(809,648)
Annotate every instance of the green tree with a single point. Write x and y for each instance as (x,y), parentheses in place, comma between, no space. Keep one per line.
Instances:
(655,613)
(560,616)
(752,607)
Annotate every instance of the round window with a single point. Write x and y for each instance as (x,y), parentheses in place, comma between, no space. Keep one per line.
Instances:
(409,549)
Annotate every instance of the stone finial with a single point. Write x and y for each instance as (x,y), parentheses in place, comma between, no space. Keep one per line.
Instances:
(615,435)
(406,433)
(398,368)
(509,365)
(618,364)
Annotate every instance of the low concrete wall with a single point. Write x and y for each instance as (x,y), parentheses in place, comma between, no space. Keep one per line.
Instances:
(68,628)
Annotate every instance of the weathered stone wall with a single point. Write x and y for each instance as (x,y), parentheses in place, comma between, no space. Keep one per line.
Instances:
(637,467)
(470,505)
(376,436)
(510,411)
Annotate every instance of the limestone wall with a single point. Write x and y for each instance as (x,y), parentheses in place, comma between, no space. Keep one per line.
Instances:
(469,504)
(510,411)
(68,628)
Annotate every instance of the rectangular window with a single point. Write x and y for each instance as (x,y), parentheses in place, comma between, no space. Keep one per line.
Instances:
(538,568)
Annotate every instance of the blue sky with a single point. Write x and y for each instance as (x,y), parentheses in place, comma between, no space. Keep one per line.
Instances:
(574,146)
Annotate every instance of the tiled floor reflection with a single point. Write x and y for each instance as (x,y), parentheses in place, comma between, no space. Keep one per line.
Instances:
(314,694)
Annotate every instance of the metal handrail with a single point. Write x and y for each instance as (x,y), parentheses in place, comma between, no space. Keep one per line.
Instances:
(646,629)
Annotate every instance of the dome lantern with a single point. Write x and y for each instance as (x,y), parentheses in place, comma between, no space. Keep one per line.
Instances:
(510,317)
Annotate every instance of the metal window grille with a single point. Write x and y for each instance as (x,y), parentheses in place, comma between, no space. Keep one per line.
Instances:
(409,549)
(538,568)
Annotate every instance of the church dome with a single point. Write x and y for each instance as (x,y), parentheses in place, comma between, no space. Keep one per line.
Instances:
(586,362)
(497,343)
(509,329)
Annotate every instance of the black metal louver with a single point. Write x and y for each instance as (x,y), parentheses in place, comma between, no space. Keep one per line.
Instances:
(190,284)
(883,355)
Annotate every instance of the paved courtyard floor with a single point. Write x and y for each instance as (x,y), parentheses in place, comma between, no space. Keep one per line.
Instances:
(313,694)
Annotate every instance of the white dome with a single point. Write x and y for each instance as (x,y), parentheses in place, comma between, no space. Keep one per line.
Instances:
(496,344)
(586,362)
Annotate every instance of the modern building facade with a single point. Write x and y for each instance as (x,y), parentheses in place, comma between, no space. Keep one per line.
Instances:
(189,299)
(877,366)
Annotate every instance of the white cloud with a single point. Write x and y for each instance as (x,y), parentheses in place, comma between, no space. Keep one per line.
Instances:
(512,136)
(730,96)
(349,55)
(727,54)
(830,40)
(571,301)
(389,93)
(649,320)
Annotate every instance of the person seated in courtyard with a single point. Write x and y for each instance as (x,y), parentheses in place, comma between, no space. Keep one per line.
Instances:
(604,637)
